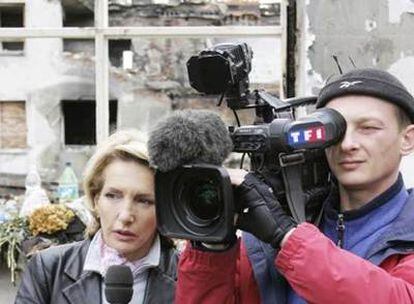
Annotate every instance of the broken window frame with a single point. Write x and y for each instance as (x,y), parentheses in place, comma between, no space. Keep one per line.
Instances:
(102,33)
(20,4)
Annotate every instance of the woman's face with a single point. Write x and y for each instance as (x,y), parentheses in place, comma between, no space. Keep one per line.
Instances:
(126,208)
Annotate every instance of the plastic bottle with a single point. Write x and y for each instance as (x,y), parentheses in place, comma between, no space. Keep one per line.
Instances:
(35,196)
(68,189)
(32,181)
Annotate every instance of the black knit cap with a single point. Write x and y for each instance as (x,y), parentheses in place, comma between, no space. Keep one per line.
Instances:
(371,82)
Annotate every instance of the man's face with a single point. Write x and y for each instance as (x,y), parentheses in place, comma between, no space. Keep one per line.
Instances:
(369,155)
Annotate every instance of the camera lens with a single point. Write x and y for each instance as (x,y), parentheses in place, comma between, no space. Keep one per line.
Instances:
(205,203)
(201,200)
(195,202)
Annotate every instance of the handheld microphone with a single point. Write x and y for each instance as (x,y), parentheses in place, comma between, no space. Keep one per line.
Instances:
(118,284)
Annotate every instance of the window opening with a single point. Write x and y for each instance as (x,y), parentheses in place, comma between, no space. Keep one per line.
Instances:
(118,52)
(13,129)
(80,121)
(12,15)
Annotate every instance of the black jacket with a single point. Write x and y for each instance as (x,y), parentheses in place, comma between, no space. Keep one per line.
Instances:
(56,276)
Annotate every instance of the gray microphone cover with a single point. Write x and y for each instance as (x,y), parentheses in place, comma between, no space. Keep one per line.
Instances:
(189,137)
(118,284)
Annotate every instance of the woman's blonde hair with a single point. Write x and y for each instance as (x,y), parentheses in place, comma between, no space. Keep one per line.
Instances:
(128,145)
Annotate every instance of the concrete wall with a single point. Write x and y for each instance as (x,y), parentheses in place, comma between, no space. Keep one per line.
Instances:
(30,75)
(46,74)
(43,76)
(374,33)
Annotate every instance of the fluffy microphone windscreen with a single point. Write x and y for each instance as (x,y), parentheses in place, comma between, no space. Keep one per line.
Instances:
(188,137)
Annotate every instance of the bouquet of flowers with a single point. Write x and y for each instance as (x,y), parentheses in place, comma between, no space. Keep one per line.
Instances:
(46,226)
(50,219)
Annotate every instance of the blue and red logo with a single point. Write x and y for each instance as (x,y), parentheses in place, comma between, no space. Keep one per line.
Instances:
(303,136)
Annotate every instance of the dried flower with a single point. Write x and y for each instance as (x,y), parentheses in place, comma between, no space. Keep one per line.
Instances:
(50,219)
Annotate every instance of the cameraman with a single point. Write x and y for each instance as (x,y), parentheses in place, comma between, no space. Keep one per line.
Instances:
(363,249)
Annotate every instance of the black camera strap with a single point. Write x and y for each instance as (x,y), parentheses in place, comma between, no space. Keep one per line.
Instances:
(291,165)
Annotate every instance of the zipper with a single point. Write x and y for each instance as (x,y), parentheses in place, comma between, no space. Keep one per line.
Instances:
(340,228)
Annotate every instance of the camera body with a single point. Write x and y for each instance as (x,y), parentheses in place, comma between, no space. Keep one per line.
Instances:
(195,201)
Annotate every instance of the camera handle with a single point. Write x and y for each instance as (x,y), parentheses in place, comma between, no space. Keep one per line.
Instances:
(297,199)
(292,179)
(269,107)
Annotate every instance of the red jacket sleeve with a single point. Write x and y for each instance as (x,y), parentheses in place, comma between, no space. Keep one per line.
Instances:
(206,277)
(216,277)
(320,272)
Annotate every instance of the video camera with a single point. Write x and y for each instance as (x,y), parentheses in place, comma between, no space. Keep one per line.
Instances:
(195,201)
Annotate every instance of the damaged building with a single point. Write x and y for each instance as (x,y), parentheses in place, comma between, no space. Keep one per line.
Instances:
(48,102)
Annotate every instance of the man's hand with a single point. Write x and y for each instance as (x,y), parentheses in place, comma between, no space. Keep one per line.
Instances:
(236,176)
(262,215)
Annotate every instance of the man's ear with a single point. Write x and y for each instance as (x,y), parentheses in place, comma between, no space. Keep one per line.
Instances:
(407,143)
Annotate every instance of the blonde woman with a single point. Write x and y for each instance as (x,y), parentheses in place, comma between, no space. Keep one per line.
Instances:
(119,190)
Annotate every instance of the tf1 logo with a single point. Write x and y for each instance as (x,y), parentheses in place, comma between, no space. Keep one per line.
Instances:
(306,137)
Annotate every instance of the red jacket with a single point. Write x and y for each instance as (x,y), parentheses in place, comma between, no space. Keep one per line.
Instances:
(316,269)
